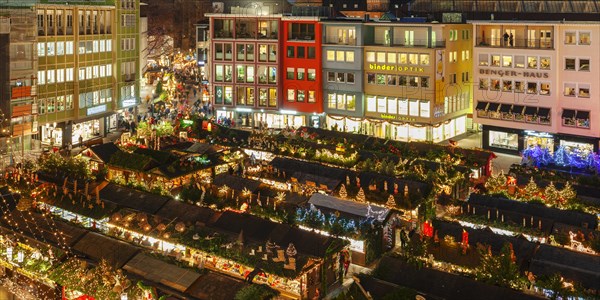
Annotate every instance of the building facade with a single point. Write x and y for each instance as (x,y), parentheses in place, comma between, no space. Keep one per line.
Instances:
(539,76)
(416,80)
(88,64)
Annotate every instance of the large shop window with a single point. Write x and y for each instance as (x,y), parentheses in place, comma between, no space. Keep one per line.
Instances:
(504,140)
(577,118)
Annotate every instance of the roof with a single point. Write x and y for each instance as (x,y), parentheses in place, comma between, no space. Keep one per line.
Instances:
(210,286)
(131,161)
(132,198)
(254,227)
(294,166)
(353,208)
(161,157)
(202,148)
(443,285)
(44,230)
(569,217)
(184,212)
(97,247)
(235,182)
(95,212)
(576,266)
(159,271)
(105,151)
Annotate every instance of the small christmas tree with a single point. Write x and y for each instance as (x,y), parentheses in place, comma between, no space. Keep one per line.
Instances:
(291,250)
(551,193)
(568,193)
(530,191)
(391,202)
(360,197)
(496,182)
(343,193)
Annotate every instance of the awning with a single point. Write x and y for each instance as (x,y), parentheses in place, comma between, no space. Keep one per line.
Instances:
(568,114)
(481,105)
(517,109)
(543,112)
(505,108)
(530,110)
(583,115)
(493,106)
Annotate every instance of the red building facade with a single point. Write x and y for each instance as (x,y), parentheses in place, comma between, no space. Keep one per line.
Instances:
(301,72)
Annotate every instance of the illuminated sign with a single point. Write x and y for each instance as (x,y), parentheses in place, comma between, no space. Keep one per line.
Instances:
(378,67)
(129,102)
(512,73)
(538,134)
(96,109)
(395,117)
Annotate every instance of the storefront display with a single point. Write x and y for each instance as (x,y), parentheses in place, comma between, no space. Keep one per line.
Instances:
(52,135)
(279,120)
(87,130)
(580,149)
(499,139)
(542,139)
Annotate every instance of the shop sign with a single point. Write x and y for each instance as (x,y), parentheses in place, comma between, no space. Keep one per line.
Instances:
(378,67)
(395,117)
(96,109)
(512,73)
(538,134)
(128,102)
(315,121)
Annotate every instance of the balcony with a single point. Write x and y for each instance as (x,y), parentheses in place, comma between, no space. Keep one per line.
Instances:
(424,43)
(515,43)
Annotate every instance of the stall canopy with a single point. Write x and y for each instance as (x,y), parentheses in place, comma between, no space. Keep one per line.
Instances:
(575,266)
(131,198)
(104,152)
(352,208)
(237,183)
(38,227)
(159,271)
(97,247)
(309,171)
(202,148)
(183,212)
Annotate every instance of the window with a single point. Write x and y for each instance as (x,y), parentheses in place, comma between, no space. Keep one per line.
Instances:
(311,97)
(532,88)
(69,48)
(584,91)
(403,106)
(272,53)
(484,83)
(425,81)
(544,88)
(69,102)
(507,61)
(312,75)
(370,56)
(584,64)
(272,97)
(584,38)
(424,59)
(262,52)
(349,56)
(381,57)
(452,56)
(424,107)
(519,61)
(350,78)
(50,102)
(301,95)
(228,51)
(392,106)
(50,49)
(60,75)
(60,48)
(381,105)
(69,74)
(391,79)
(569,89)
(391,58)
(495,60)
(484,60)
(290,52)
(413,58)
(301,52)
(290,73)
(570,64)
(519,87)
(330,55)
(495,85)
(545,63)
(228,95)
(301,31)
(339,55)
(312,53)
(507,86)
(413,108)
(331,101)
(219,51)
(41,77)
(42,106)
(340,77)
(532,62)
(300,74)
(570,38)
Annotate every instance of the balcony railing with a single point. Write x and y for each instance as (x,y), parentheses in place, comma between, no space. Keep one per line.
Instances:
(515,43)
(415,44)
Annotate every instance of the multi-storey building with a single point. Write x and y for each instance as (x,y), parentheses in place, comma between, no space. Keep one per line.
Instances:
(416,80)
(537,85)
(18,65)
(302,88)
(86,64)
(245,68)
(343,74)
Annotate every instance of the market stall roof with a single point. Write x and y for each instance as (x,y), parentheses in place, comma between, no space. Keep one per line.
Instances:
(235,182)
(306,242)
(161,157)
(444,285)
(104,151)
(294,166)
(353,208)
(39,227)
(203,148)
(254,227)
(576,266)
(96,212)
(132,198)
(31,241)
(367,178)
(569,217)
(210,286)
(179,211)
(97,247)
(132,161)
(158,271)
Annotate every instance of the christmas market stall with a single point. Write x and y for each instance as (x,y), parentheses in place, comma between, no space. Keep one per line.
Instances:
(99,247)
(573,266)
(155,270)
(132,198)
(99,155)
(353,215)
(306,176)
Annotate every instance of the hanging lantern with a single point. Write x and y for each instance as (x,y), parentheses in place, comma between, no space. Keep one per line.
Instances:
(180,227)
